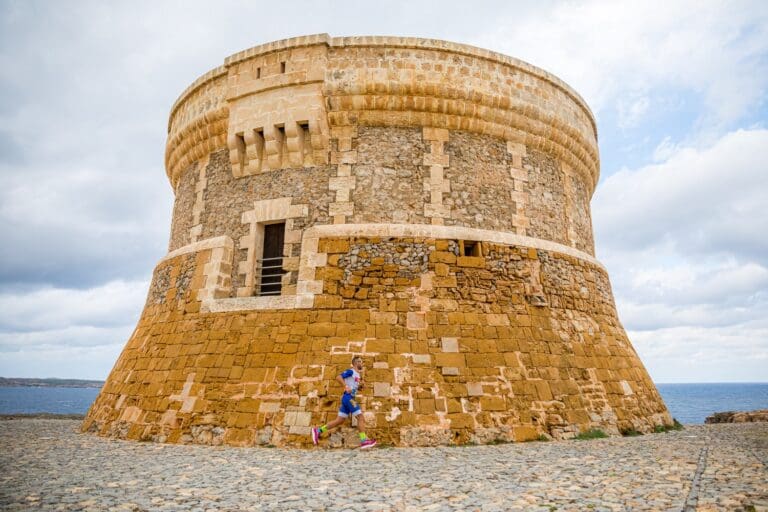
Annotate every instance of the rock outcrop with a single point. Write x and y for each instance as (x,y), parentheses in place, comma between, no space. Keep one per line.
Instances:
(738,416)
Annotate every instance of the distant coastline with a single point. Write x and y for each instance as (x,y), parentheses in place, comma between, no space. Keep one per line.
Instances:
(50,383)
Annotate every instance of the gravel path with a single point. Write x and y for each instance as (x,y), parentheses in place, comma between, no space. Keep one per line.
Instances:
(47,465)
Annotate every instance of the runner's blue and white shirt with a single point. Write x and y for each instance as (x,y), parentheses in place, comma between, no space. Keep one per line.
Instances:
(351,380)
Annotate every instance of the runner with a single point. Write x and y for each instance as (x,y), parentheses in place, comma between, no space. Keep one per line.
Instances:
(351,381)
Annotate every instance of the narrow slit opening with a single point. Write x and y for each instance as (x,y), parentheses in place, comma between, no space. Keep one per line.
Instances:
(305,143)
(280,131)
(240,147)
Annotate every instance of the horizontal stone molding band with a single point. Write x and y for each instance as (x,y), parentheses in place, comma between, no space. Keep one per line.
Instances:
(215,73)
(202,245)
(308,287)
(197,139)
(445,233)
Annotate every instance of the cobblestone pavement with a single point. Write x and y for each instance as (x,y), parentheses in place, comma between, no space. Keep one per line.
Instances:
(48,465)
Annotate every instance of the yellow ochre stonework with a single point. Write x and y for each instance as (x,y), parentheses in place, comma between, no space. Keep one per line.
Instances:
(434,201)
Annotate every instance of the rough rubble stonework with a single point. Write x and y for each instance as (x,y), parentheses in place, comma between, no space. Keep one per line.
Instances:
(435,198)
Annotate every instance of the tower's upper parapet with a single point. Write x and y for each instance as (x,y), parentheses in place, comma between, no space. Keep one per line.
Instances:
(274,105)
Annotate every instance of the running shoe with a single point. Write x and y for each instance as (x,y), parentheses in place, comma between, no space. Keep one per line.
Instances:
(315,435)
(368,443)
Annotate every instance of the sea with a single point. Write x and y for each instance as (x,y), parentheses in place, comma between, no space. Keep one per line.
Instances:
(688,403)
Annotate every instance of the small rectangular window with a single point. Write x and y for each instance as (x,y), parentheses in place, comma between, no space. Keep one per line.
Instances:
(282,67)
(258,72)
(470,248)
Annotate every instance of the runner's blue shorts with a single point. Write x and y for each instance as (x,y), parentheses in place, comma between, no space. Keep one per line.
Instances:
(349,406)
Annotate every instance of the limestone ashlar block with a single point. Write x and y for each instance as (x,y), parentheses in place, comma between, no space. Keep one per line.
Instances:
(449,344)
(381,389)
(433,133)
(431,159)
(341,208)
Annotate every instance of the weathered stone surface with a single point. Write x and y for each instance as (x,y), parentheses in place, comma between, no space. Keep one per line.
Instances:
(443,234)
(501,359)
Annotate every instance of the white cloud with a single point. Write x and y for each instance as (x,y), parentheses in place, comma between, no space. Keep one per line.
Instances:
(698,201)
(65,337)
(61,361)
(665,149)
(684,241)
(632,111)
(611,51)
(53,310)
(696,354)
(67,333)
(699,284)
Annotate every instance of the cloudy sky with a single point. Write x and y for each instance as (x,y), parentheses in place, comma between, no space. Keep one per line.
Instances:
(680,213)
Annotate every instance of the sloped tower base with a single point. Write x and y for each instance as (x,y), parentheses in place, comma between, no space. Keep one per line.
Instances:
(421,203)
(508,346)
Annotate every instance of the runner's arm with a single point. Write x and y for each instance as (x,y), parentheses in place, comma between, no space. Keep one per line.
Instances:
(340,380)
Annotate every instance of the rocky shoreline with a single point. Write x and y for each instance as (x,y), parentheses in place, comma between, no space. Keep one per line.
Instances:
(41,416)
(738,417)
(48,465)
(49,383)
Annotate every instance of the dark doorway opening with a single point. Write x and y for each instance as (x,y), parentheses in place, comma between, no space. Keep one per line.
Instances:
(271,263)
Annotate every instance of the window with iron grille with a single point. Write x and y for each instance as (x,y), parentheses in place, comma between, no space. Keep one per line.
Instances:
(270,265)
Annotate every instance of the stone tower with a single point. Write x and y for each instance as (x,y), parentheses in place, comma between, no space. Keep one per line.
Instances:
(424,204)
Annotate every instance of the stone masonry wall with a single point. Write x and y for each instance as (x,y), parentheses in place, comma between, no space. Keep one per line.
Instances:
(389,176)
(480,183)
(227,198)
(579,216)
(547,199)
(182,208)
(388,183)
(507,346)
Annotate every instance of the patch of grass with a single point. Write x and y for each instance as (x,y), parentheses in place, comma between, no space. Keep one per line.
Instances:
(541,438)
(593,433)
(668,428)
(630,432)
